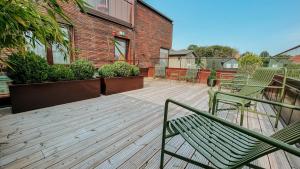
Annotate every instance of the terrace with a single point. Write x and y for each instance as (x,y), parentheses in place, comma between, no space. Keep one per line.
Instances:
(117,131)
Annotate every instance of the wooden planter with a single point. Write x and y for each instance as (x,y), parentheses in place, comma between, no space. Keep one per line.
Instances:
(26,97)
(121,84)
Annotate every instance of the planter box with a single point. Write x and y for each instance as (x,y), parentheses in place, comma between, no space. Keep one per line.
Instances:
(121,84)
(26,97)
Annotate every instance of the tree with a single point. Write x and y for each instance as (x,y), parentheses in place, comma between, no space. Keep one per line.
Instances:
(25,22)
(192,47)
(249,62)
(214,51)
(264,54)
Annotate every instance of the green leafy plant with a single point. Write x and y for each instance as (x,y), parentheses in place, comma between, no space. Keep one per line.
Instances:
(212,77)
(60,72)
(83,69)
(135,71)
(107,71)
(122,69)
(118,69)
(39,17)
(213,74)
(249,62)
(27,68)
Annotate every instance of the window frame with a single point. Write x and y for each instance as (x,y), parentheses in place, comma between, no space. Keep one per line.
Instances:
(126,48)
(48,47)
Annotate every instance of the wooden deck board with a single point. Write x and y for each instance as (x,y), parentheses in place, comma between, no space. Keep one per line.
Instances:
(117,131)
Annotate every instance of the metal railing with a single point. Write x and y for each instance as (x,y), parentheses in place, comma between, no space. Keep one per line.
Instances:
(290,96)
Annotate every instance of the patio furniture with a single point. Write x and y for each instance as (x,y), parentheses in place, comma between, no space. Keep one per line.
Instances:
(159,71)
(233,82)
(224,144)
(254,87)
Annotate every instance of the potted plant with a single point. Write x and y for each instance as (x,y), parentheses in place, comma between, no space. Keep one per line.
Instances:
(211,80)
(120,77)
(37,84)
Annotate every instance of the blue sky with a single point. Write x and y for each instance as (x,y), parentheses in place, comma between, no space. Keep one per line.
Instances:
(247,25)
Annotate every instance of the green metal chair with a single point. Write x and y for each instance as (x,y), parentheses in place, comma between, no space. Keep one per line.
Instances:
(224,144)
(160,71)
(261,79)
(231,81)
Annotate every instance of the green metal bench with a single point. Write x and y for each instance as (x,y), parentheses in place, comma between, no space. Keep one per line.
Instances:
(224,144)
(261,80)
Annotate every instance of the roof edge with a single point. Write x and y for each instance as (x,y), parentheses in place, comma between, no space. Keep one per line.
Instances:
(155,10)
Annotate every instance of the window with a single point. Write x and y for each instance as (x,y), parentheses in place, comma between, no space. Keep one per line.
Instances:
(99,5)
(121,46)
(55,54)
(59,52)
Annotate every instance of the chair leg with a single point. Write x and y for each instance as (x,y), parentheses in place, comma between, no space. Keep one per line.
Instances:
(162,159)
(215,108)
(242,115)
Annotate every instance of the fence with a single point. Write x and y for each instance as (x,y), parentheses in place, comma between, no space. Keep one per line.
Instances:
(203,62)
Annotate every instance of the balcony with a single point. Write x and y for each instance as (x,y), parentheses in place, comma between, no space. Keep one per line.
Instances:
(118,11)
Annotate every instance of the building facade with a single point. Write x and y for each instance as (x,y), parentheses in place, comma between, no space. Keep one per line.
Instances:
(112,30)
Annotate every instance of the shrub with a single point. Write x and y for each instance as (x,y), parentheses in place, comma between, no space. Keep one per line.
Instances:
(82,69)
(213,74)
(27,68)
(107,71)
(135,71)
(60,72)
(118,69)
(122,69)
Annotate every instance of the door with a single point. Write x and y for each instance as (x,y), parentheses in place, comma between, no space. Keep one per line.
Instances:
(121,47)
(163,57)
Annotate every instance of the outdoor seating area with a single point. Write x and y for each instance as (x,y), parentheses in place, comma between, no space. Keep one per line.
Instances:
(124,130)
(139,84)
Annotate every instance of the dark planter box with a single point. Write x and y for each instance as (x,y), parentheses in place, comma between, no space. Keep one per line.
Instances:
(26,97)
(121,84)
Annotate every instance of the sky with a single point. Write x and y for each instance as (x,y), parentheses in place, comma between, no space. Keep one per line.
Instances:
(247,25)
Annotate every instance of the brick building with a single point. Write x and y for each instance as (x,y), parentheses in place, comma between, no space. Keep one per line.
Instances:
(115,30)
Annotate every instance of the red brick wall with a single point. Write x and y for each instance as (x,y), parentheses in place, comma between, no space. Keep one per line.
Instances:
(93,36)
(152,33)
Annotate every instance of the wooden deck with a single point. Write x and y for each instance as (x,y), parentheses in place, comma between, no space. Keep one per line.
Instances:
(117,131)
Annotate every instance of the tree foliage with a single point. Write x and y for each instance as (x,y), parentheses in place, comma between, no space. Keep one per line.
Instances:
(249,62)
(214,51)
(32,20)
(264,54)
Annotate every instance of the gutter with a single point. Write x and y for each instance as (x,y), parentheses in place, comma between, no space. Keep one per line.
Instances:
(154,10)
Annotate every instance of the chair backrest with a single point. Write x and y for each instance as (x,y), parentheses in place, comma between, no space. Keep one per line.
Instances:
(289,135)
(261,78)
(160,71)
